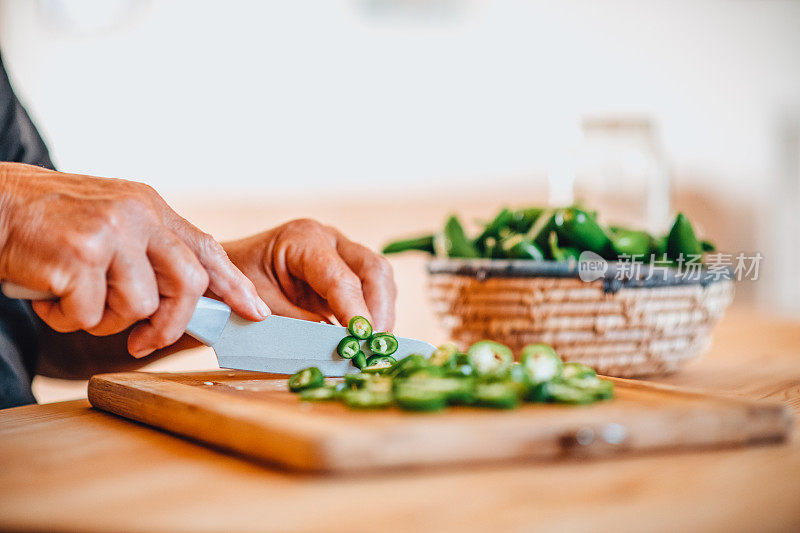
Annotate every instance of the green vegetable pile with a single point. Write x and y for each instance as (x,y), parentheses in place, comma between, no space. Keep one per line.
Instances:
(485,376)
(557,234)
(381,345)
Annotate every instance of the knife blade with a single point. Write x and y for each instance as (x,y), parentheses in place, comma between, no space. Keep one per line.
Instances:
(277,344)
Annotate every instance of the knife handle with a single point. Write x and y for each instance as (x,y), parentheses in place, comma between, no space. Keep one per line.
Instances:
(208,320)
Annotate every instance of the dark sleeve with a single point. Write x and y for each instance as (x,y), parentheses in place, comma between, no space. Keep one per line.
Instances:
(18,349)
(19,143)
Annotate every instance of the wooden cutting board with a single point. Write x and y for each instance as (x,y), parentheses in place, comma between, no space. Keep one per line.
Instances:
(253,414)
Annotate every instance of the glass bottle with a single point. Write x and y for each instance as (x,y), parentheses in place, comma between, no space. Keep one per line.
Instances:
(621,171)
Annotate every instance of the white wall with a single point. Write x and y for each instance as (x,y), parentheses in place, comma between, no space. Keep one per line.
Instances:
(285,99)
(256,98)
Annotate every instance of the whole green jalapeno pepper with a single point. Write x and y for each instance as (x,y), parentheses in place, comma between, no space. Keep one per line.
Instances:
(561,254)
(632,243)
(493,228)
(580,230)
(422,244)
(517,247)
(456,242)
(682,239)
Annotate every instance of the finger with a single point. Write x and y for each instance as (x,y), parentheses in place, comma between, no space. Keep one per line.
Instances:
(309,300)
(81,307)
(282,306)
(181,281)
(377,281)
(224,279)
(132,293)
(329,276)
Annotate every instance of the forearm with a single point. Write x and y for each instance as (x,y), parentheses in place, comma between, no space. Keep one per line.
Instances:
(8,185)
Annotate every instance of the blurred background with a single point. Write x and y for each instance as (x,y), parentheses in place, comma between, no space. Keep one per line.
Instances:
(381,116)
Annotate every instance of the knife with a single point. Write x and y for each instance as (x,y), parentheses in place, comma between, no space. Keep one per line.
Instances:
(277,344)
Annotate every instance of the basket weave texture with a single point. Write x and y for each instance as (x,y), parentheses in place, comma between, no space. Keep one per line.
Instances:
(636,331)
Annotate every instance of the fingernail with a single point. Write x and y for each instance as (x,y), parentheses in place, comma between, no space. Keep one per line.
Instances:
(138,354)
(262,308)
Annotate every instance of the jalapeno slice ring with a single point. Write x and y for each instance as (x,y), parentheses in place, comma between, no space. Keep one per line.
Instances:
(359,327)
(348,347)
(565,392)
(443,353)
(577,370)
(498,395)
(378,363)
(359,360)
(417,398)
(367,399)
(320,394)
(382,343)
(489,357)
(308,378)
(541,361)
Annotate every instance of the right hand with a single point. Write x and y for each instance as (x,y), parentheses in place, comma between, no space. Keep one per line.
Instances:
(114,253)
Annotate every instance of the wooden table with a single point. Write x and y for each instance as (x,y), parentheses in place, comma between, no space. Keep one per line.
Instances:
(67,467)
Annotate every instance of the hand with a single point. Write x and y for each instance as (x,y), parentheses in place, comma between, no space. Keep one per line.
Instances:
(114,253)
(306,270)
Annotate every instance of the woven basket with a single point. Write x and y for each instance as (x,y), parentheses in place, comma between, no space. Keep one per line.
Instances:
(622,327)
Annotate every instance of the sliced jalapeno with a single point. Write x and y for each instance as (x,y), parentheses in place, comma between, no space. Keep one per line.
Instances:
(356,380)
(422,244)
(599,388)
(366,399)
(443,353)
(521,379)
(320,394)
(538,393)
(498,395)
(426,372)
(459,391)
(541,361)
(348,347)
(456,390)
(458,365)
(605,390)
(359,327)
(489,357)
(564,392)
(408,365)
(308,378)
(359,360)
(577,370)
(382,343)
(418,398)
(377,364)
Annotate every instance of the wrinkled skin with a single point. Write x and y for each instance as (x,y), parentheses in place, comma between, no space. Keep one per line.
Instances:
(114,254)
(306,270)
(123,263)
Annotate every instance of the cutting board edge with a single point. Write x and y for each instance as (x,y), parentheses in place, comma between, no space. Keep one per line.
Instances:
(313,448)
(308,451)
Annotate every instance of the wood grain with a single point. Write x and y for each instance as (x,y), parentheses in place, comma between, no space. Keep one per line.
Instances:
(245,412)
(67,467)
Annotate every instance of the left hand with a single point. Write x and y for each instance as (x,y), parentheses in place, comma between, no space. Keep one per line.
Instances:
(306,270)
